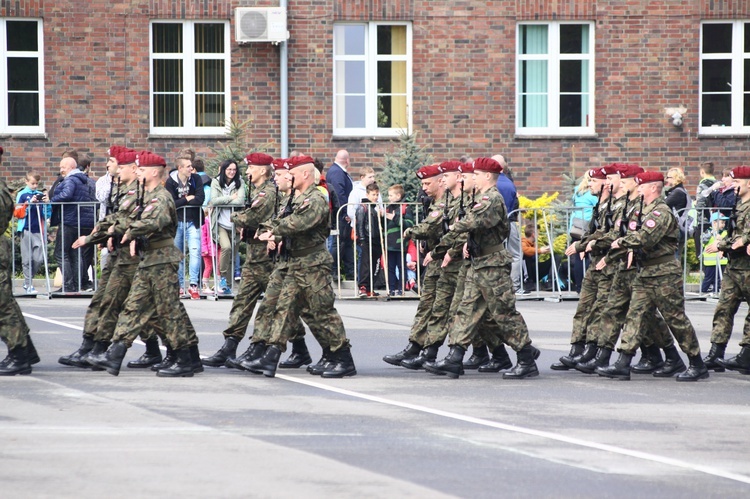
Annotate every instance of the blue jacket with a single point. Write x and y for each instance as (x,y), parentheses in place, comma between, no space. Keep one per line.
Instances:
(508,191)
(340,181)
(33,211)
(75,188)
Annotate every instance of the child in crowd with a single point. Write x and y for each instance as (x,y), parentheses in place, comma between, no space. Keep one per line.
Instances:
(712,277)
(208,252)
(398,218)
(31,226)
(369,239)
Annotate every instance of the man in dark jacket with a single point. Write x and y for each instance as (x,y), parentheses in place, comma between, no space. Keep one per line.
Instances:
(77,220)
(339,180)
(187,191)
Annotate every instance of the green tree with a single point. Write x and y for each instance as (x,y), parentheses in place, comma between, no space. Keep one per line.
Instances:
(400,166)
(236,147)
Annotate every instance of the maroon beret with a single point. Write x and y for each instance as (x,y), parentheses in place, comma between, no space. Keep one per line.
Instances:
(114,150)
(487,165)
(280,164)
(450,166)
(466,168)
(258,158)
(2,151)
(629,171)
(299,161)
(598,173)
(428,171)
(740,172)
(646,177)
(125,156)
(611,169)
(147,158)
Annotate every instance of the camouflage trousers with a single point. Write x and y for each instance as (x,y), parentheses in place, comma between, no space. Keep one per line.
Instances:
(664,293)
(308,287)
(591,300)
(489,290)
(488,333)
(262,329)
(91,318)
(445,289)
(615,312)
(154,301)
(13,328)
(253,284)
(427,290)
(735,288)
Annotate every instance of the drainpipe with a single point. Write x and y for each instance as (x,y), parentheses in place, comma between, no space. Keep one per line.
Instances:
(284,88)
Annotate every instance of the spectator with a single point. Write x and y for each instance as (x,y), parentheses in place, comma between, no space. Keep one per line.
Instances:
(103,191)
(84,164)
(702,202)
(508,191)
(199,167)
(76,221)
(398,218)
(723,193)
(712,277)
(31,228)
(358,194)
(186,189)
(339,180)
(582,198)
(369,239)
(227,192)
(208,252)
(678,200)
(531,260)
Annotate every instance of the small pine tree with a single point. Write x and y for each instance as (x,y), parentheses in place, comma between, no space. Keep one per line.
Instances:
(400,166)
(236,148)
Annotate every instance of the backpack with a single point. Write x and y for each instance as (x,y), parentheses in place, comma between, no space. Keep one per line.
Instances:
(686,219)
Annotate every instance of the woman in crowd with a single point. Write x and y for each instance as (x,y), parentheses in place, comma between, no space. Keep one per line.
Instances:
(227,191)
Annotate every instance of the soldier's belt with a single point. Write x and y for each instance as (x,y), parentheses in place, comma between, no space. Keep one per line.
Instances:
(162,243)
(307,251)
(657,261)
(490,249)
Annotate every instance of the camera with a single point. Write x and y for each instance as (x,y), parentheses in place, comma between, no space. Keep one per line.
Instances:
(677,119)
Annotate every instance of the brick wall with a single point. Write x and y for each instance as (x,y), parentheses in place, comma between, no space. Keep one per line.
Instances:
(96,81)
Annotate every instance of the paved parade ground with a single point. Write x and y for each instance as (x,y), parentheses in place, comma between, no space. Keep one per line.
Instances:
(387,432)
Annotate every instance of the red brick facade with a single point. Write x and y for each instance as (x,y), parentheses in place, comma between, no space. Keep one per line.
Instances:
(647,58)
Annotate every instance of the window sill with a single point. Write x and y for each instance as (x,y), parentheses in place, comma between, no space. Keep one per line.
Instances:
(161,136)
(364,137)
(731,135)
(572,136)
(23,136)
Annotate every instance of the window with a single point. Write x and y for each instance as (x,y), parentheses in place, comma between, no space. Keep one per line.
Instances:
(21,76)
(725,78)
(555,79)
(371,79)
(189,77)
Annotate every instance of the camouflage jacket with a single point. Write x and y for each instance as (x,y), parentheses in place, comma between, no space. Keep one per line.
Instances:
(620,255)
(605,238)
(430,230)
(453,242)
(592,236)
(738,259)
(656,239)
(125,203)
(157,223)
(308,226)
(260,209)
(6,207)
(488,226)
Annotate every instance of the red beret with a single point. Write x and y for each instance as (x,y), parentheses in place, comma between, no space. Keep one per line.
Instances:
(114,150)
(258,158)
(428,172)
(466,168)
(487,165)
(629,171)
(741,172)
(598,173)
(147,158)
(646,177)
(450,166)
(279,164)
(298,161)
(2,151)
(125,156)
(611,169)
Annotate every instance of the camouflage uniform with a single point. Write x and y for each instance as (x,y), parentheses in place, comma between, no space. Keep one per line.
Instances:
(155,290)
(308,283)
(735,287)
(13,329)
(659,283)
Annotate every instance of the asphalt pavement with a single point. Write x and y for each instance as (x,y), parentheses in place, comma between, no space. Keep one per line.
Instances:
(386,432)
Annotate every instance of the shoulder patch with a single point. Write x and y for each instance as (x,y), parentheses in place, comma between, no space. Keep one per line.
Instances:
(148,208)
(485,198)
(155,200)
(478,205)
(306,201)
(632,225)
(650,224)
(255,203)
(656,213)
(442,205)
(130,193)
(125,203)
(261,194)
(434,213)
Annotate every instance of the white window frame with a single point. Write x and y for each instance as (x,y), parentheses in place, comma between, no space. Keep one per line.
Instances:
(553,58)
(188,56)
(4,54)
(371,59)
(738,73)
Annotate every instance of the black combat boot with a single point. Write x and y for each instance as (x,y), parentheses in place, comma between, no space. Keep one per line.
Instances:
(166,362)
(618,370)
(113,358)
(74,359)
(651,360)
(318,368)
(227,351)
(500,361)
(342,365)
(696,371)
(299,357)
(576,349)
(716,353)
(429,354)
(411,351)
(265,365)
(195,359)
(525,365)
(150,357)
(740,363)
(601,360)
(31,353)
(254,351)
(479,357)
(588,354)
(672,365)
(96,353)
(182,367)
(17,362)
(452,365)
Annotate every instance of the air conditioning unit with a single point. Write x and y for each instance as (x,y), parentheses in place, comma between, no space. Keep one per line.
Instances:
(260,24)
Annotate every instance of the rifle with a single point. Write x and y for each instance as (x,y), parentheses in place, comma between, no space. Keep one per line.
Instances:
(446,220)
(461,208)
(638,253)
(140,242)
(608,223)
(284,251)
(732,223)
(113,203)
(625,218)
(594,223)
